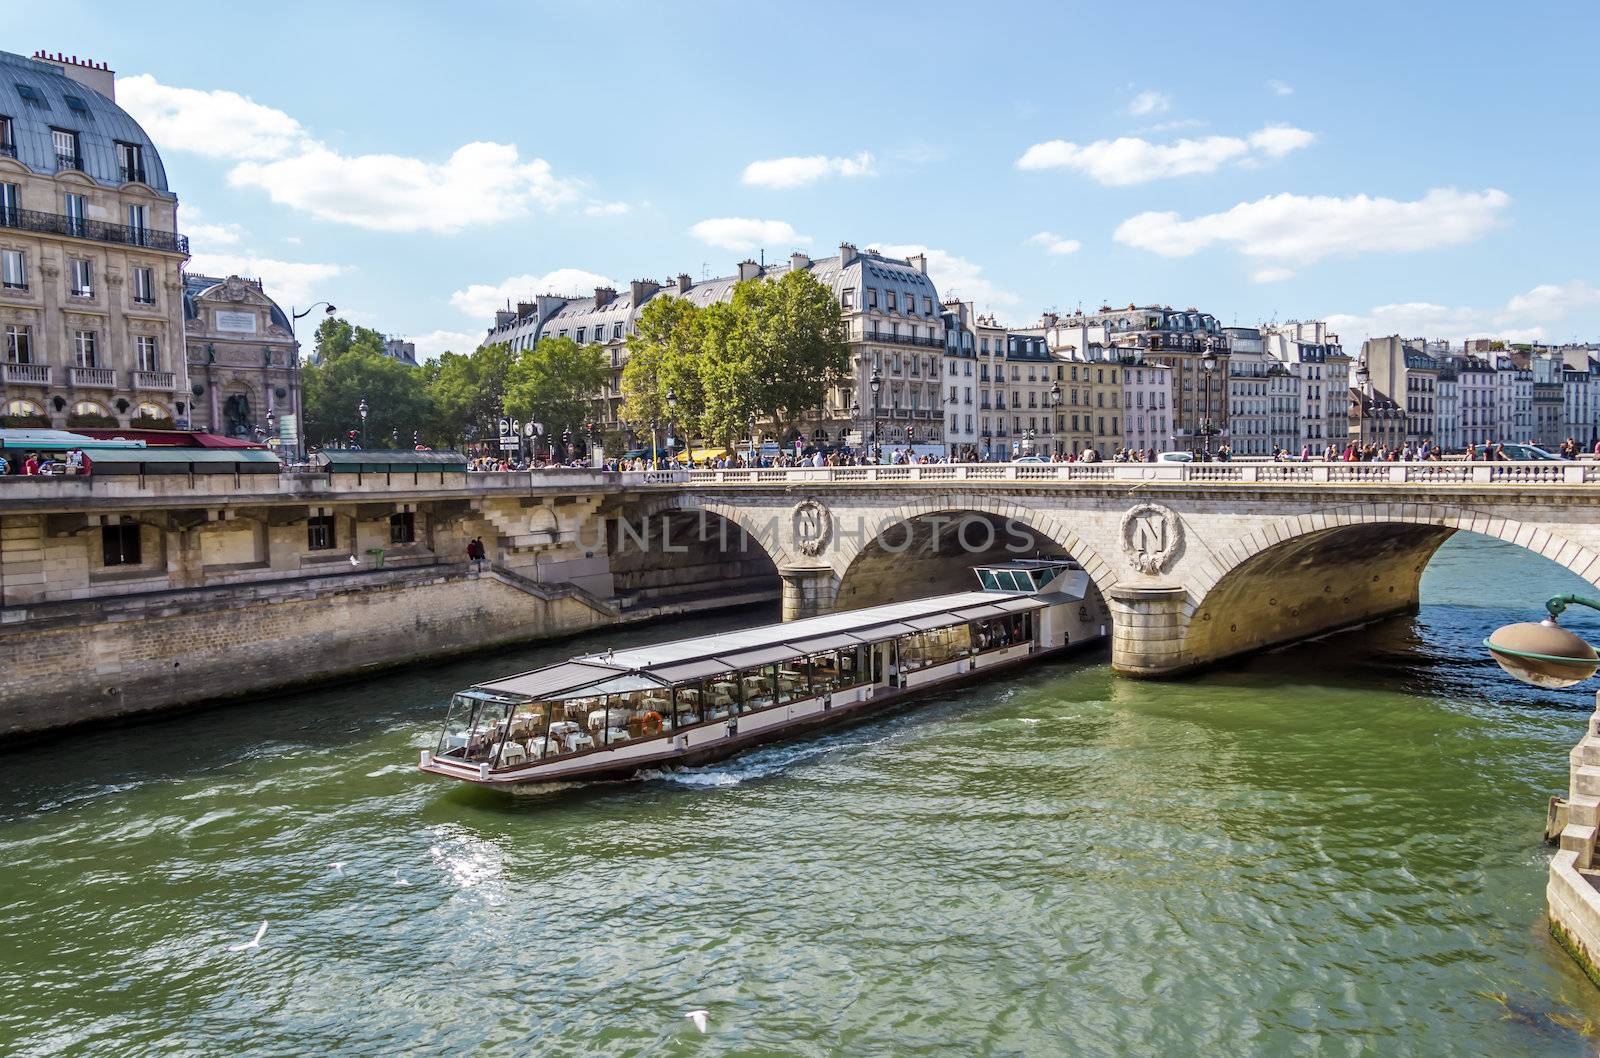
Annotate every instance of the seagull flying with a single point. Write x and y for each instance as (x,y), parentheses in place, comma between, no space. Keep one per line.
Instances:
(398,878)
(260,932)
(699,1019)
(338,868)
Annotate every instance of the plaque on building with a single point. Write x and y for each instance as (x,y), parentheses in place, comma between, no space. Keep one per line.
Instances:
(238,322)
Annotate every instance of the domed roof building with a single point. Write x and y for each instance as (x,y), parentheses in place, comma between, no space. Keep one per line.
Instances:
(91,284)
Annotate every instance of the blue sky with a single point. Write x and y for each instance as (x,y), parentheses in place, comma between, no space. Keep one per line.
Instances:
(1426,169)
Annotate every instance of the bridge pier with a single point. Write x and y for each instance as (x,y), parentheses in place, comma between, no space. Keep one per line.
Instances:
(1147,628)
(808,591)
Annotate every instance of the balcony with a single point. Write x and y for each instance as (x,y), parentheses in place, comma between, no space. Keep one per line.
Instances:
(59,224)
(25,374)
(131,174)
(65,162)
(8,150)
(162,381)
(93,377)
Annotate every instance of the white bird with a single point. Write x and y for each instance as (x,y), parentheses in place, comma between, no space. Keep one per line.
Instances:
(354,561)
(699,1019)
(398,879)
(338,868)
(256,943)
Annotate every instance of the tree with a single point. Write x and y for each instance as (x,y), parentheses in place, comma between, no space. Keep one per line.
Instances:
(336,336)
(468,392)
(790,340)
(666,355)
(397,401)
(556,383)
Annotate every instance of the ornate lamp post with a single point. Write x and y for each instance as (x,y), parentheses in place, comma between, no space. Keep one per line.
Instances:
(1543,653)
(362,409)
(1208,365)
(1055,406)
(875,384)
(855,414)
(750,429)
(299,419)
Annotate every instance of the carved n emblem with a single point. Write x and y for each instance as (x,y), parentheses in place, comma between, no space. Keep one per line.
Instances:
(1151,535)
(813,525)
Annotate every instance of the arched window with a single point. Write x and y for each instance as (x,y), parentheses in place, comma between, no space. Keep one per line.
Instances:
(152,410)
(24,407)
(89,407)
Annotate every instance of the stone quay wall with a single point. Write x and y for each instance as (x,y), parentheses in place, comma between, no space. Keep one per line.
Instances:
(1572,895)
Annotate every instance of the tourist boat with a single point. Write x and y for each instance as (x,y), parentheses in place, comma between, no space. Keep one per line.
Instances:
(693,701)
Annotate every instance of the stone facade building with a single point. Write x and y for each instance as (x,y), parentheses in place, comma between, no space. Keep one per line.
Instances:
(91,288)
(1324,373)
(244,363)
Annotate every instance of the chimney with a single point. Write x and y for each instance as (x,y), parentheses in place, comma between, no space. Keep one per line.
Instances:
(847,253)
(799,261)
(684,282)
(643,290)
(603,296)
(96,76)
(1050,319)
(524,309)
(503,319)
(919,261)
(748,269)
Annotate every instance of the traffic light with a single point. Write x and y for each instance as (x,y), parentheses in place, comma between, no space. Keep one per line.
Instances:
(352,437)
(910,433)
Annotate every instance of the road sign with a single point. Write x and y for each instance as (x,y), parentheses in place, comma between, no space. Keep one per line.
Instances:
(509,429)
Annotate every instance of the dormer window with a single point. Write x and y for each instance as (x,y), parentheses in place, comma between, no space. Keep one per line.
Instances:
(66,145)
(8,145)
(130,163)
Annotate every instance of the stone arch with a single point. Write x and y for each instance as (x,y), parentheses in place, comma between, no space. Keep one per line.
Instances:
(1292,578)
(862,554)
(679,548)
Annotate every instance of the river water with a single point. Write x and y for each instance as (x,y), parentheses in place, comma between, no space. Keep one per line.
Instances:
(1331,850)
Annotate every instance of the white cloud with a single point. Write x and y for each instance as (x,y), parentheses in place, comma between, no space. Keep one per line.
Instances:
(1054,243)
(1146,103)
(432,344)
(607,209)
(483,300)
(1176,125)
(216,124)
(955,277)
(747,233)
(214,234)
(1271,275)
(286,282)
(480,183)
(1280,88)
(1130,160)
(784,173)
(1529,316)
(1299,228)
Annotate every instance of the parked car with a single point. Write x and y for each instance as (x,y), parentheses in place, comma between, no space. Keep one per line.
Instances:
(1174,457)
(1030,459)
(1522,451)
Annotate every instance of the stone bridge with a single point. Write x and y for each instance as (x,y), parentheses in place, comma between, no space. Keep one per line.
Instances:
(1190,563)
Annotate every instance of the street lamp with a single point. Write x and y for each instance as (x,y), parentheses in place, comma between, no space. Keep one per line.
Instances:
(750,424)
(855,414)
(299,419)
(1543,653)
(362,408)
(1208,364)
(875,384)
(1055,405)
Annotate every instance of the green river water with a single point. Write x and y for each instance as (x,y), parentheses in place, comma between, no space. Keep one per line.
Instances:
(1330,850)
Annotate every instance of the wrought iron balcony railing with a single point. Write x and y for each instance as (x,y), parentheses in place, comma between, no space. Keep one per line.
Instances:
(99,231)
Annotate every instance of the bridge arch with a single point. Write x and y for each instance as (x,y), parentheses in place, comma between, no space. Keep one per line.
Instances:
(680,547)
(1308,574)
(927,547)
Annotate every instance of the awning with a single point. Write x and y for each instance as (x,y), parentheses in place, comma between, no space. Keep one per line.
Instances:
(764,656)
(702,453)
(888,631)
(384,461)
(691,670)
(978,613)
(553,680)
(1025,603)
(944,620)
(833,642)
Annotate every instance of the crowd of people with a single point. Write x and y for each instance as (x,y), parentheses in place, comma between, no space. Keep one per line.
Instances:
(73,461)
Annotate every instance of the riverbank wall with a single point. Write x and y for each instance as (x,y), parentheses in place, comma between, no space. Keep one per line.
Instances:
(1572,896)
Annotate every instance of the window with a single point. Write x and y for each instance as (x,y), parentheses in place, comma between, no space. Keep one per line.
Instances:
(83,348)
(144,286)
(19,343)
(13,270)
(927,306)
(119,544)
(73,207)
(319,532)
(889,300)
(10,203)
(149,352)
(872,297)
(136,223)
(616,331)
(66,145)
(8,146)
(402,528)
(130,162)
(580,334)
(82,278)
(847,298)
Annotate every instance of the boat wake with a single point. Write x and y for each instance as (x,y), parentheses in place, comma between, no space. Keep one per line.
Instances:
(758,765)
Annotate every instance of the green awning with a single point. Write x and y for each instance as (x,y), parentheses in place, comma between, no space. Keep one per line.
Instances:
(183,461)
(356,461)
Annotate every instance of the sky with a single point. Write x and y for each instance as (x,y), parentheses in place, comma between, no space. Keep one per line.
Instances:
(1422,169)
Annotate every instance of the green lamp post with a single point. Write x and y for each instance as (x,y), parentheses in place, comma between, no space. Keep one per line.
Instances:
(1543,653)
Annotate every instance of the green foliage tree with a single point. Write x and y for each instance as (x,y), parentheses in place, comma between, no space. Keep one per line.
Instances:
(467,391)
(398,403)
(666,356)
(556,383)
(336,336)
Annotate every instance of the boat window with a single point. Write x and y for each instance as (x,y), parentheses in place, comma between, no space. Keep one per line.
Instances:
(987,579)
(938,646)
(457,725)
(634,715)
(488,728)
(757,684)
(1000,632)
(568,730)
(793,682)
(716,697)
(526,734)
